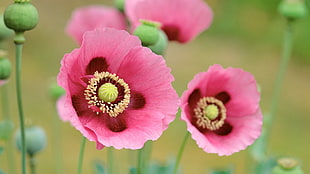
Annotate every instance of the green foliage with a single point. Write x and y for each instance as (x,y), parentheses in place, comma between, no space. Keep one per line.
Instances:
(1,150)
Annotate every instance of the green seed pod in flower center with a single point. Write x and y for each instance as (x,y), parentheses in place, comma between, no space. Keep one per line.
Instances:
(21,16)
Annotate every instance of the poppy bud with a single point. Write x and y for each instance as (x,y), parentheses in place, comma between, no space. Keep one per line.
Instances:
(147,32)
(35,140)
(5,68)
(293,9)
(4,31)
(21,16)
(287,166)
(161,45)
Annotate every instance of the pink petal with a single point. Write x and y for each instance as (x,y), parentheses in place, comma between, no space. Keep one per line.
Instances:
(138,132)
(240,85)
(148,74)
(245,131)
(91,17)
(182,20)
(107,43)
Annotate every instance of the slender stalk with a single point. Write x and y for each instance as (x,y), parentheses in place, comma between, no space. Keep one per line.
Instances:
(57,146)
(110,160)
(286,54)
(143,157)
(32,164)
(81,155)
(19,50)
(180,153)
(9,143)
(140,161)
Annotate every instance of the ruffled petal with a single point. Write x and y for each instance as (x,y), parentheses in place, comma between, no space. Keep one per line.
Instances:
(142,126)
(147,74)
(245,130)
(107,43)
(91,17)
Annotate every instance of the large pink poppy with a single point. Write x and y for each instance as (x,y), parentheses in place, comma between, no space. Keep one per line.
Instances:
(182,20)
(221,110)
(118,93)
(91,17)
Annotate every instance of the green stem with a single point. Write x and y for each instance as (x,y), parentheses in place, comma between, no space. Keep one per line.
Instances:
(32,164)
(110,160)
(140,161)
(286,54)
(180,153)
(81,155)
(143,157)
(57,146)
(9,143)
(19,49)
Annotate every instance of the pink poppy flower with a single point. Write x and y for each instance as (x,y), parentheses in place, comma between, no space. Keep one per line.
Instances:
(91,17)
(221,110)
(118,93)
(182,20)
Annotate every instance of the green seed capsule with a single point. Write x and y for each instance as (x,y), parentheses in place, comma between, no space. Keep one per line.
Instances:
(147,32)
(4,31)
(35,139)
(293,9)
(287,166)
(21,16)
(5,68)
(161,45)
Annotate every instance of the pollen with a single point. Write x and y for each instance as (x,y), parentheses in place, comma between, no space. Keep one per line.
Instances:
(107,93)
(210,113)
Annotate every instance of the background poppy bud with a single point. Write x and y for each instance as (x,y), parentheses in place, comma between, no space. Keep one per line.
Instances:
(287,166)
(293,9)
(21,16)
(5,68)
(35,140)
(161,45)
(56,91)
(119,4)
(147,32)
(4,31)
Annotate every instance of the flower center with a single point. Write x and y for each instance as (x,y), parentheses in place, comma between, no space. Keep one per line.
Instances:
(210,113)
(107,93)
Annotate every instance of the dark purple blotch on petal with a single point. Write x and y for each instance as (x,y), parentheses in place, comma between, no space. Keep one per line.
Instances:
(223,96)
(115,124)
(137,101)
(171,31)
(224,130)
(193,98)
(80,105)
(97,64)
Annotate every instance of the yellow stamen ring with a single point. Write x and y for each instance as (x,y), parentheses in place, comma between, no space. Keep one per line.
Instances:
(105,98)
(210,113)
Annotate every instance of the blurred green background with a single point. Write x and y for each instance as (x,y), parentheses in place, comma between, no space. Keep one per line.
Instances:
(244,34)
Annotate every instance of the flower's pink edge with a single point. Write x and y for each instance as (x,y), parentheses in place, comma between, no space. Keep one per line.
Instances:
(170,15)
(90,17)
(149,122)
